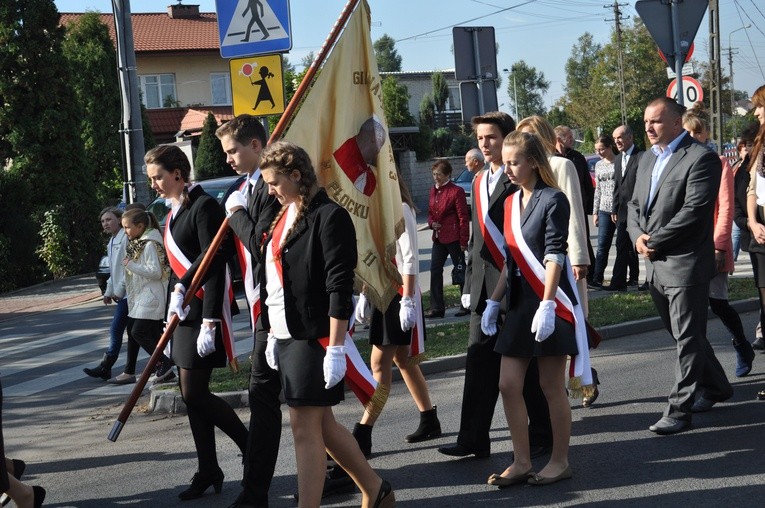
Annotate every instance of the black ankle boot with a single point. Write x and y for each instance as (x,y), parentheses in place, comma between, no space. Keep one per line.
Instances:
(363,435)
(744,357)
(200,483)
(429,427)
(104,369)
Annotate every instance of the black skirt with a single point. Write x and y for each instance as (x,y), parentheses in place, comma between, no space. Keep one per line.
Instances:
(515,337)
(385,329)
(184,350)
(301,370)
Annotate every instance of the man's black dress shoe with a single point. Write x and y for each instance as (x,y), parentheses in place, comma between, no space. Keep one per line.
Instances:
(633,283)
(594,285)
(669,425)
(460,451)
(434,314)
(702,404)
(611,287)
(462,312)
(643,287)
(758,344)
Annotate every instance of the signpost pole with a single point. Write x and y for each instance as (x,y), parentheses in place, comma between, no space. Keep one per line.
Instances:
(478,75)
(679,56)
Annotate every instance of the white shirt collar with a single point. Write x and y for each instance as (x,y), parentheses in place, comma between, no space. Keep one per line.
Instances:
(670,147)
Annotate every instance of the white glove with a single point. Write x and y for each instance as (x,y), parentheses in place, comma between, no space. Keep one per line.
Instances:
(176,306)
(206,340)
(168,351)
(235,200)
(489,317)
(272,352)
(543,323)
(363,312)
(406,313)
(465,301)
(334,366)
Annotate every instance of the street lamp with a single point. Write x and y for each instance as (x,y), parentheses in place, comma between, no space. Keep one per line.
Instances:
(730,64)
(515,94)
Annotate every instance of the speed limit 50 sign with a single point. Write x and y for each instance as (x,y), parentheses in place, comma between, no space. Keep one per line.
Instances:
(692,92)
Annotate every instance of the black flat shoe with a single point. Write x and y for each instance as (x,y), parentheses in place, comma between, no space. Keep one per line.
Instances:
(39,496)
(385,497)
(199,484)
(431,314)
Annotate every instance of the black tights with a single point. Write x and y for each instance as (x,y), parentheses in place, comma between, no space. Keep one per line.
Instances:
(207,411)
(729,317)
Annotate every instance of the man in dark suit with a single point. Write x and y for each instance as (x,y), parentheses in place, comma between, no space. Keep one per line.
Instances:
(670,221)
(251,212)
(625,169)
(485,261)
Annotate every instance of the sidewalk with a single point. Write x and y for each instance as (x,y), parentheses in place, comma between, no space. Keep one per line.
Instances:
(47,296)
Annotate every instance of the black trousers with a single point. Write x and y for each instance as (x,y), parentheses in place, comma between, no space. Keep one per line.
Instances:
(3,471)
(265,423)
(626,258)
(437,261)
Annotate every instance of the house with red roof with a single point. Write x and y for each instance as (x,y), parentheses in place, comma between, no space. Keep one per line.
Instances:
(181,74)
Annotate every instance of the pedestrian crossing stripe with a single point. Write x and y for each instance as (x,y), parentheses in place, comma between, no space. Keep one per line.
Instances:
(254,27)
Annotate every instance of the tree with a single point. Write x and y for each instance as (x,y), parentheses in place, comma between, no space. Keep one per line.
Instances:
(91,56)
(440,91)
(210,161)
(39,119)
(530,85)
(427,112)
(396,103)
(388,59)
(307,60)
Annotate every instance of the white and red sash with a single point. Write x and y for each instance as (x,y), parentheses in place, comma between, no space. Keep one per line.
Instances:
(179,263)
(251,290)
(492,236)
(534,273)
(357,374)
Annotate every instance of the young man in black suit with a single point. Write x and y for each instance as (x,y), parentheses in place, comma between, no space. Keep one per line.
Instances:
(251,212)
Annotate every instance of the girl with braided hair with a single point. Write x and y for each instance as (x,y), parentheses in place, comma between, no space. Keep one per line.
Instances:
(306,284)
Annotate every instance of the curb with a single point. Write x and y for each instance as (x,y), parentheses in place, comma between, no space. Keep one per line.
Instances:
(170,401)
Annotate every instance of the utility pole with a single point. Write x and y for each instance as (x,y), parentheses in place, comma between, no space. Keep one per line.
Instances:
(131,129)
(618,27)
(715,89)
(732,88)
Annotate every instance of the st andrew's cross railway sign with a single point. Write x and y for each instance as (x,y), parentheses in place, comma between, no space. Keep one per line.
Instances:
(253,27)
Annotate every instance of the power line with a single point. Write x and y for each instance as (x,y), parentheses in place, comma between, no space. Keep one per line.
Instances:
(466,21)
(738,10)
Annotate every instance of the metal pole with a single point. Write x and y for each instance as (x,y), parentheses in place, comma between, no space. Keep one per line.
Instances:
(478,73)
(679,55)
(132,127)
(733,88)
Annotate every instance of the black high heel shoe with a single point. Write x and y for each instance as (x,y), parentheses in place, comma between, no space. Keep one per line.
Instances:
(386,498)
(39,496)
(199,484)
(18,469)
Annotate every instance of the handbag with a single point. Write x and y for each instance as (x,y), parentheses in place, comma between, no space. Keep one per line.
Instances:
(458,272)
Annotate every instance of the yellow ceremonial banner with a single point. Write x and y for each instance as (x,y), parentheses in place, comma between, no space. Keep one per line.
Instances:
(257,85)
(342,126)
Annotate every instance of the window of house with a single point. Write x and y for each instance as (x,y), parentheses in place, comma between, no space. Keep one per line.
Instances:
(453,103)
(158,91)
(220,88)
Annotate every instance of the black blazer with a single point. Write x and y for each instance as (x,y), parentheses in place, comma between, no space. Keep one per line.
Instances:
(740,217)
(625,185)
(251,225)
(193,229)
(481,274)
(544,226)
(318,261)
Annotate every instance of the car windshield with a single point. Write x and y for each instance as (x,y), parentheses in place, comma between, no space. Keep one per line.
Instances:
(216,187)
(464,177)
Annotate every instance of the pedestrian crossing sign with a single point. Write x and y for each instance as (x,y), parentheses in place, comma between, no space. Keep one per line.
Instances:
(257,85)
(253,27)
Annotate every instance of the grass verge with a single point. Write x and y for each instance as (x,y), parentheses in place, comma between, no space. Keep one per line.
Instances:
(451,339)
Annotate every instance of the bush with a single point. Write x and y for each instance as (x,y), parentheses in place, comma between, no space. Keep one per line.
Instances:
(19,266)
(56,249)
(442,141)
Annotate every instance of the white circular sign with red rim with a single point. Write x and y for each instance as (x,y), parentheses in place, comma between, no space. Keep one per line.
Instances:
(692,91)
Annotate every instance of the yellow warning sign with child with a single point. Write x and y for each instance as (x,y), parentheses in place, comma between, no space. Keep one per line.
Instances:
(257,85)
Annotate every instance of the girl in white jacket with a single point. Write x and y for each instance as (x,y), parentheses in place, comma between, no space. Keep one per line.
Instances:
(146,279)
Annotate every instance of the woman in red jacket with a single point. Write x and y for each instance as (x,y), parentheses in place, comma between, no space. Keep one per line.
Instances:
(448,218)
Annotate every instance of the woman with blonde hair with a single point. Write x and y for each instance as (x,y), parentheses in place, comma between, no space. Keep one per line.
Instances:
(544,320)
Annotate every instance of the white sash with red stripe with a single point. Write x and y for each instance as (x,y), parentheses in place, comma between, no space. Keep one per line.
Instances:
(492,236)
(179,263)
(534,273)
(357,375)
(251,290)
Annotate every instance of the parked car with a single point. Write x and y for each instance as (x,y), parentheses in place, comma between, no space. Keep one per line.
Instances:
(219,188)
(465,180)
(591,161)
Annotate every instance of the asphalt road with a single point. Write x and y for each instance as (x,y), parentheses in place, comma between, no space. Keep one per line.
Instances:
(58,422)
